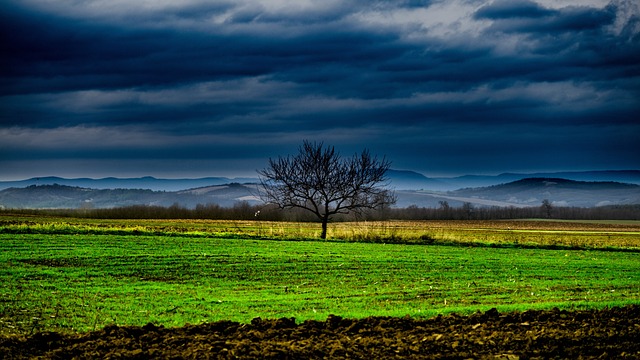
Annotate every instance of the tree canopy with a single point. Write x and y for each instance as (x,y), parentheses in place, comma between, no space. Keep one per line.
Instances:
(319,180)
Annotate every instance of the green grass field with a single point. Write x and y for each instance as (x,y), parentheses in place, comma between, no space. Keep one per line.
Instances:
(79,275)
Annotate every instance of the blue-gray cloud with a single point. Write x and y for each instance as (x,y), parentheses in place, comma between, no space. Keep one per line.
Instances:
(438,86)
(504,9)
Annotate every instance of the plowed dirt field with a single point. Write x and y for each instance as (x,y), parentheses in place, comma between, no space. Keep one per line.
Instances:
(593,334)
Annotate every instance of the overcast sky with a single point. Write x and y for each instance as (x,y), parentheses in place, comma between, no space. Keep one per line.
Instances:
(194,88)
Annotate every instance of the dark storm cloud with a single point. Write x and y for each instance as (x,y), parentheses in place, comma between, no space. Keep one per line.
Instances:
(506,9)
(527,16)
(572,39)
(71,55)
(250,79)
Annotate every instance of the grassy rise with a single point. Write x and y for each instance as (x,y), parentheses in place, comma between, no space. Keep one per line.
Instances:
(79,282)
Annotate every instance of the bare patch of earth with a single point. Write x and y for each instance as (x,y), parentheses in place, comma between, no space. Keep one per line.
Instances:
(587,334)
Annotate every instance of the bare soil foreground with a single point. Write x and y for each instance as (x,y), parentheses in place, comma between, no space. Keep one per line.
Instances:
(592,334)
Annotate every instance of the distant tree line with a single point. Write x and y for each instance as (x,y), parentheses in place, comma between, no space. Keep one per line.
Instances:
(247,211)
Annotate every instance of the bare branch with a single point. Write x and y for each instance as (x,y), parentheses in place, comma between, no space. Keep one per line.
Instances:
(317,179)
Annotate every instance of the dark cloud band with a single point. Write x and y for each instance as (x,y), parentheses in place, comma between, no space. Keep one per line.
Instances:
(198,78)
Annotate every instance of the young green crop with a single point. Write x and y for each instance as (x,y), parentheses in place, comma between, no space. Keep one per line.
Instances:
(66,282)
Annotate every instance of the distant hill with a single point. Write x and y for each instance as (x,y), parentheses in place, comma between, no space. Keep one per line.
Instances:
(411,180)
(398,179)
(531,192)
(560,192)
(520,193)
(472,181)
(63,196)
(147,183)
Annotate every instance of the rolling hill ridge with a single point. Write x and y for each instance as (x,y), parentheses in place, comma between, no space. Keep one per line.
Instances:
(532,191)
(521,193)
(398,179)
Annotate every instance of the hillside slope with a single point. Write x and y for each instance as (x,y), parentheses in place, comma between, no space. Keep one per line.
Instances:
(398,180)
(62,196)
(521,193)
(561,192)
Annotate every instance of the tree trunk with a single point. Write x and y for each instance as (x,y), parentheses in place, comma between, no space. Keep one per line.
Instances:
(325,221)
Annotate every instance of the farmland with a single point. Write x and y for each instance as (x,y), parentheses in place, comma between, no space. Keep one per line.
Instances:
(76,275)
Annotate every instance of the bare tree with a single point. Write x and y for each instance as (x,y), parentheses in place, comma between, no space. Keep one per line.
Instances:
(317,179)
(546,208)
(467,209)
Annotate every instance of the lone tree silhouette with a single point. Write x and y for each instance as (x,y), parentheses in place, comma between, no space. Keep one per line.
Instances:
(317,179)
